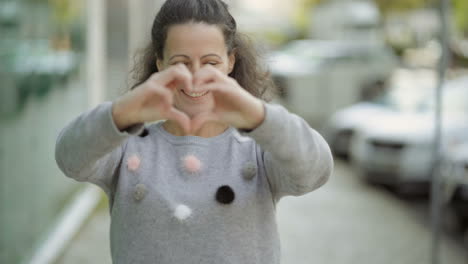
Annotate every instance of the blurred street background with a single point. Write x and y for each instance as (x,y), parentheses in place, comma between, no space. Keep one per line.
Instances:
(364,73)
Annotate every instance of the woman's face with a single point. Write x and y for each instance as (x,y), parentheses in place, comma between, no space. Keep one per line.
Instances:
(195,45)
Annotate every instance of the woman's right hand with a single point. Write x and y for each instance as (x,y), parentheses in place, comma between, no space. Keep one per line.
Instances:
(153,99)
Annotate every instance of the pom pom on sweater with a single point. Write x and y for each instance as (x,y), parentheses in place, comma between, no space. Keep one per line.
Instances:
(249,171)
(133,163)
(192,164)
(225,194)
(140,192)
(182,212)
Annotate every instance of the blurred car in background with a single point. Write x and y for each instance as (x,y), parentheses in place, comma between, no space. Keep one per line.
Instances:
(396,148)
(31,68)
(363,21)
(36,57)
(404,94)
(317,77)
(455,178)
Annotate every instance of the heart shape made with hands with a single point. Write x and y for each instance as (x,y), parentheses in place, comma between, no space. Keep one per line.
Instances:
(232,106)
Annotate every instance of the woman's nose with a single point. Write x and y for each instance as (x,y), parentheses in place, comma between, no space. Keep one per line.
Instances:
(194,67)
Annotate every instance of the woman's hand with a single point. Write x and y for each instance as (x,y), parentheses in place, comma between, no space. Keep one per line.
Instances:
(153,99)
(232,104)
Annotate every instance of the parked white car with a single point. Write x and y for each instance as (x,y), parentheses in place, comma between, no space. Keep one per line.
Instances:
(319,77)
(405,92)
(396,149)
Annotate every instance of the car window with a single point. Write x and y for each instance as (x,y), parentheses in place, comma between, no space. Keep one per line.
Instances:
(318,51)
(454,99)
(403,100)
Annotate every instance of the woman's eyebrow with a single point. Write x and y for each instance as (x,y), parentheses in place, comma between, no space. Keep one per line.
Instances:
(179,55)
(211,54)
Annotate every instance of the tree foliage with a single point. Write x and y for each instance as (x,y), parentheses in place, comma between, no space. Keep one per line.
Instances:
(460,12)
(301,17)
(387,6)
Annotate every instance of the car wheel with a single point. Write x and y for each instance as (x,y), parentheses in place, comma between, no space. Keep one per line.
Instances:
(403,189)
(450,221)
(411,190)
(341,144)
(465,238)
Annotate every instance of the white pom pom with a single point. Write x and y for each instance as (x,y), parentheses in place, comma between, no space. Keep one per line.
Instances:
(182,212)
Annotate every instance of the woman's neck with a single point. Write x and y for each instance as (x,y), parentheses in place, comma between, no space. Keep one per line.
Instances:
(208,130)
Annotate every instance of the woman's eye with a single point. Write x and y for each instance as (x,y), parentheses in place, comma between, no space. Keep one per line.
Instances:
(180,62)
(212,63)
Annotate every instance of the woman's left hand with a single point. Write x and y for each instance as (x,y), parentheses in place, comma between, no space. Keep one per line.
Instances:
(233,105)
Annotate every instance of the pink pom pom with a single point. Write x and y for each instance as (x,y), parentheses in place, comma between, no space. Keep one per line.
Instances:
(192,164)
(133,163)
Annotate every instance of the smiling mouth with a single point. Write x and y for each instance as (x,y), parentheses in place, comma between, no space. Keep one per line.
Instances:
(195,95)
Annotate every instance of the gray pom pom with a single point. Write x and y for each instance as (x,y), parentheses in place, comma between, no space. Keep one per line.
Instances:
(249,171)
(139,192)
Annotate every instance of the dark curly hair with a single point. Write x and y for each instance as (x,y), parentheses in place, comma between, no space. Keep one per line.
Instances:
(247,71)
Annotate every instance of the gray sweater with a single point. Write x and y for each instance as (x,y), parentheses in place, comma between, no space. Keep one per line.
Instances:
(188,199)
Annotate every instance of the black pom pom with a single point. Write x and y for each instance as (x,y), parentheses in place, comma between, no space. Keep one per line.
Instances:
(144,133)
(225,194)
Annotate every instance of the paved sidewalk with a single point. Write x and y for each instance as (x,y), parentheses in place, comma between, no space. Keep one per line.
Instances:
(92,244)
(350,222)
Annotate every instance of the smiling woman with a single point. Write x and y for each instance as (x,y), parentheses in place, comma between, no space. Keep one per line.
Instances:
(205,182)
(247,70)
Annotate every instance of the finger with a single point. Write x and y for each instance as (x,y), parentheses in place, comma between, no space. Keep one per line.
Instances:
(199,120)
(208,74)
(176,73)
(216,88)
(159,94)
(180,117)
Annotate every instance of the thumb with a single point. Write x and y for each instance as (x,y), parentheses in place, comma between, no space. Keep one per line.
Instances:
(180,117)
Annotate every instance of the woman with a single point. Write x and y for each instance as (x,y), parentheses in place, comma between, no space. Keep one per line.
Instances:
(201,186)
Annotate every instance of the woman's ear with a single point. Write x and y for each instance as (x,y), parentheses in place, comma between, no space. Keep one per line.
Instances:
(159,64)
(232,61)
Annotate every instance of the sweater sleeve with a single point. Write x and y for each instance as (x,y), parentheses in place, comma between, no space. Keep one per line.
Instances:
(296,158)
(90,147)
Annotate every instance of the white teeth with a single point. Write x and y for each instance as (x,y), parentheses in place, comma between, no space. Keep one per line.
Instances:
(195,94)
